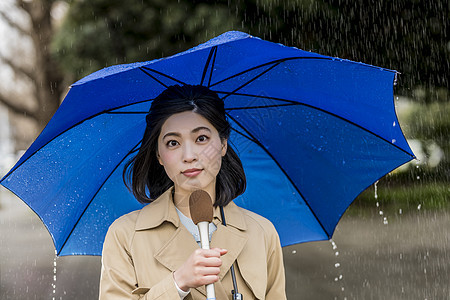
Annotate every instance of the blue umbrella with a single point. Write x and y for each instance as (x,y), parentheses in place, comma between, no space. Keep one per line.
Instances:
(312,132)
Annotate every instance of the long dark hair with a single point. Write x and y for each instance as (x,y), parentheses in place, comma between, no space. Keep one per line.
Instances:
(149,179)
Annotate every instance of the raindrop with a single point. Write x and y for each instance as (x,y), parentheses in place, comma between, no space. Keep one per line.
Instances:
(333,244)
(294,251)
(54,275)
(419,206)
(376,191)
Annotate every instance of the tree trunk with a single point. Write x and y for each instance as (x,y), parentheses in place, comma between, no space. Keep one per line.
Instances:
(48,76)
(45,75)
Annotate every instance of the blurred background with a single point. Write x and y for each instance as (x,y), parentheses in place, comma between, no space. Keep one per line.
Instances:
(393,242)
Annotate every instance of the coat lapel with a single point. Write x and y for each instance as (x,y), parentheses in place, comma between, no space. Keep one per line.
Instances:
(180,243)
(231,239)
(177,249)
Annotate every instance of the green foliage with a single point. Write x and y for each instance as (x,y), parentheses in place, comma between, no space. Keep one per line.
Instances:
(407,198)
(431,121)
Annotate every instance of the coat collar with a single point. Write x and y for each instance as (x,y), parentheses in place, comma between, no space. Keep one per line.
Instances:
(163,209)
(155,213)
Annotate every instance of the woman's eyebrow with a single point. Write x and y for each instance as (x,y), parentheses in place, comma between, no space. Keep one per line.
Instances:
(200,128)
(195,130)
(176,134)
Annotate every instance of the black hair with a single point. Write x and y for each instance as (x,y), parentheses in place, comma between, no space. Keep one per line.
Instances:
(148,177)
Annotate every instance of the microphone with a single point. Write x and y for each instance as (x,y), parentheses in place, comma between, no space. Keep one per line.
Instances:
(201,209)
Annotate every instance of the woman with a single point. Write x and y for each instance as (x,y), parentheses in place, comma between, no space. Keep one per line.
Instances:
(152,253)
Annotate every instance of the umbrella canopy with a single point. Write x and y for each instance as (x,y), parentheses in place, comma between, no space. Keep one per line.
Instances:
(312,132)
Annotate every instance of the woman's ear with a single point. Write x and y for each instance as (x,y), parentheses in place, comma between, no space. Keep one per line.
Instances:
(224,147)
(159,158)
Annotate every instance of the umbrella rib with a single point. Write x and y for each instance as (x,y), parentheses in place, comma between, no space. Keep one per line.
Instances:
(205,69)
(243,134)
(143,69)
(278,61)
(212,68)
(126,112)
(112,110)
(98,190)
(262,106)
(251,80)
(258,96)
(282,170)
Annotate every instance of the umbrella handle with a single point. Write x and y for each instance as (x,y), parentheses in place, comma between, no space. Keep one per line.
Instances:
(234,292)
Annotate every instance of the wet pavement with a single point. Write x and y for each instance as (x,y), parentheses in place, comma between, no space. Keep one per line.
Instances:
(408,258)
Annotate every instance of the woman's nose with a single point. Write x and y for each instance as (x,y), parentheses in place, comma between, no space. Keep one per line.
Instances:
(189,153)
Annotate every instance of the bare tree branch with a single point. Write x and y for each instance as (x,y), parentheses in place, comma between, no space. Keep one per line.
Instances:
(18,69)
(13,24)
(18,109)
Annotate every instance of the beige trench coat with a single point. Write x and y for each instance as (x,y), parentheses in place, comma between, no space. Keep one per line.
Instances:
(143,248)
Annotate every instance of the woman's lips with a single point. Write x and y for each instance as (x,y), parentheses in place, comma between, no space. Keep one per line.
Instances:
(192,172)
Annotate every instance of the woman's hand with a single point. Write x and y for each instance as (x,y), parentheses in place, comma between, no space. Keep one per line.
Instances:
(201,268)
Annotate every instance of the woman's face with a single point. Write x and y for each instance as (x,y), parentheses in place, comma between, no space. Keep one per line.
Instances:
(190,149)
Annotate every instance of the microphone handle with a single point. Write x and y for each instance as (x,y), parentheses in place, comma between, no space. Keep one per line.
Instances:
(203,228)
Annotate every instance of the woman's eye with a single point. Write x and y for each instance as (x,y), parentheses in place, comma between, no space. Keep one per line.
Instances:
(172,143)
(202,138)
